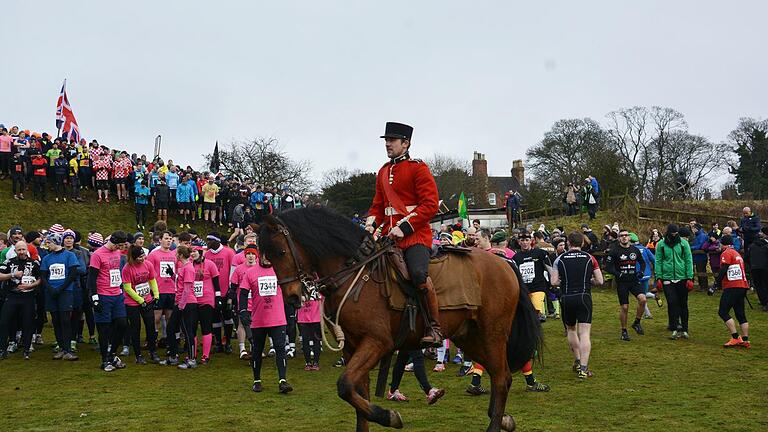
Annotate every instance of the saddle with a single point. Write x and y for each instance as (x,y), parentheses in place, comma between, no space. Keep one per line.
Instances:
(456,283)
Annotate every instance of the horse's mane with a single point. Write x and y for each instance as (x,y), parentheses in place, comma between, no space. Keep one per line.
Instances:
(321,232)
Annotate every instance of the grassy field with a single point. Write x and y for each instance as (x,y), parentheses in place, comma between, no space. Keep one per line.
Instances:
(650,383)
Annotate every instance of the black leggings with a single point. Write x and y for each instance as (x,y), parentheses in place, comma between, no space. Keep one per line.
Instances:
(258,340)
(733,298)
(88,312)
(141,214)
(136,315)
(18,183)
(290,326)
(59,186)
(110,334)
(40,316)
(192,315)
(677,305)
(15,306)
(171,328)
(311,341)
(417,358)
(62,328)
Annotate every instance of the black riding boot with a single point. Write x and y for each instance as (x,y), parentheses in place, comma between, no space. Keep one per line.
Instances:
(433,336)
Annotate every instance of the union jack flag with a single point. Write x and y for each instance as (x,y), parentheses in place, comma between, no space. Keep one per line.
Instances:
(65,118)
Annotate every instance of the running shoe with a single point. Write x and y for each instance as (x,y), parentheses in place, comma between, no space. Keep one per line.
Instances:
(59,355)
(476,390)
(244,355)
(153,357)
(140,360)
(56,348)
(170,361)
(659,303)
(440,367)
(463,371)
(26,355)
(12,347)
(38,339)
(284,387)
(685,335)
(271,352)
(537,387)
(409,367)
(316,366)
(458,359)
(624,336)
(227,349)
(117,363)
(340,363)
(290,353)
(107,367)
(162,343)
(181,225)
(205,360)
(256,386)
(308,367)
(576,366)
(675,335)
(638,328)
(3,355)
(219,348)
(92,341)
(745,344)
(434,395)
(189,227)
(733,343)
(73,346)
(396,396)
(125,351)
(585,373)
(188,364)
(647,316)
(70,357)
(80,339)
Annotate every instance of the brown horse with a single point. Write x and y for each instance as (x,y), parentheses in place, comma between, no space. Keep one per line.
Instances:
(502,334)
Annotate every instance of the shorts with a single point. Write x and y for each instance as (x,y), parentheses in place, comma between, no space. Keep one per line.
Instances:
(209,206)
(187,205)
(161,205)
(623,288)
(102,184)
(538,298)
(576,308)
(61,303)
(166,301)
(112,307)
(121,181)
(239,225)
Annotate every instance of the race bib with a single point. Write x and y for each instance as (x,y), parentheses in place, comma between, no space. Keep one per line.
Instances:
(268,286)
(56,271)
(167,268)
(27,280)
(142,289)
(115,279)
(250,296)
(528,271)
(735,273)
(198,288)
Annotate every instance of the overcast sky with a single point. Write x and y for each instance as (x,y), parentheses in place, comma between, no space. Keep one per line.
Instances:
(324,76)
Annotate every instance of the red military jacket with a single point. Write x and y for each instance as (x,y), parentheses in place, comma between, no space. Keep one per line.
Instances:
(411,180)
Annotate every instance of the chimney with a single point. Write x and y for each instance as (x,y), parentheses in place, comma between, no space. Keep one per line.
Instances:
(518,171)
(479,166)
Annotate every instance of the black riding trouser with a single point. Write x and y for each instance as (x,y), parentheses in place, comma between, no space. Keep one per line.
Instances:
(417,259)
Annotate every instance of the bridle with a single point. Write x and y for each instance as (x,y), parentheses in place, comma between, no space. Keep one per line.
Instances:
(308,286)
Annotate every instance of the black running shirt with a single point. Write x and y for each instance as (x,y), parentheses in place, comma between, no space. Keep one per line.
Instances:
(575,269)
(533,268)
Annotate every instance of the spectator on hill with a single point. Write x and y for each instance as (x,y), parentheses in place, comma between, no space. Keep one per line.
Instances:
(39,172)
(513,205)
(570,200)
(590,197)
(749,226)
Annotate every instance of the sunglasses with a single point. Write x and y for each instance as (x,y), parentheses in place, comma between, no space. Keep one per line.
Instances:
(623,235)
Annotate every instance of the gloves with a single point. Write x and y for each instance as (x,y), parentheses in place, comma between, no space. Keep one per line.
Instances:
(245,318)
(219,304)
(169,272)
(148,305)
(689,285)
(230,306)
(97,306)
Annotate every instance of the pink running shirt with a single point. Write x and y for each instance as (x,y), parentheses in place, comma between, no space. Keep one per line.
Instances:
(185,285)
(138,276)
(203,290)
(267,307)
(223,261)
(237,279)
(309,312)
(109,281)
(164,264)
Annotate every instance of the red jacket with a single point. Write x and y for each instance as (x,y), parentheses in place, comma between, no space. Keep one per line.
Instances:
(412,181)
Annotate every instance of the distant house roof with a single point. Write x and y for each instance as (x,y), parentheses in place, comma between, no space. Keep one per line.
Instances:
(503,184)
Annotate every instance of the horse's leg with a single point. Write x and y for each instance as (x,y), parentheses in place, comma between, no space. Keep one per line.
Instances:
(367,355)
(363,389)
(501,380)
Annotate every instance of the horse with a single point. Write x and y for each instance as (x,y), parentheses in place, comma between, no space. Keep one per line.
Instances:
(308,245)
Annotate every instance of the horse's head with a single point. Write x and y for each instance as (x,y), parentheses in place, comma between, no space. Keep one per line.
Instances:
(289,260)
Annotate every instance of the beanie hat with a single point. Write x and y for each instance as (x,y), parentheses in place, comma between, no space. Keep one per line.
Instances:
(137,235)
(31,236)
(252,249)
(498,237)
(56,228)
(95,239)
(54,238)
(68,233)
(633,237)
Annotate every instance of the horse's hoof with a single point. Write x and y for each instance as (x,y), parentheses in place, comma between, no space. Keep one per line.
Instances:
(508,422)
(396,421)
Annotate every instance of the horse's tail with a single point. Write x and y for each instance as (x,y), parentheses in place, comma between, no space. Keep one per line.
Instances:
(525,339)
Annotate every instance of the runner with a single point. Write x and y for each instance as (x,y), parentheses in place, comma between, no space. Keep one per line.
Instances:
(163,261)
(22,276)
(732,278)
(309,318)
(674,273)
(267,318)
(185,197)
(79,297)
(622,261)
(575,272)
(417,359)
(59,271)
(140,286)
(222,256)
(105,287)
(210,192)
(187,306)
(142,203)
(251,256)
(201,303)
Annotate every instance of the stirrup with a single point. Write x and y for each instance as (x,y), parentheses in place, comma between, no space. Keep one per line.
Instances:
(433,339)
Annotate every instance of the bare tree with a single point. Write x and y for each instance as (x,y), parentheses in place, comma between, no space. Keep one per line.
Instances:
(440,163)
(263,161)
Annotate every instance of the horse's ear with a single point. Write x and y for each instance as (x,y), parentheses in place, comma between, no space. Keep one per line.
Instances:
(270,221)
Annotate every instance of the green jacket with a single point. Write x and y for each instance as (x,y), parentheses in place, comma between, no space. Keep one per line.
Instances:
(674,263)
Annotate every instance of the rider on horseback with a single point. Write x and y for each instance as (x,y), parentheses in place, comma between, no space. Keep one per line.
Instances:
(406,199)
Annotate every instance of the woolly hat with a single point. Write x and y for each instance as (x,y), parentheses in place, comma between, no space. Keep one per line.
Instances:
(95,239)
(633,237)
(498,237)
(67,233)
(56,228)
(54,238)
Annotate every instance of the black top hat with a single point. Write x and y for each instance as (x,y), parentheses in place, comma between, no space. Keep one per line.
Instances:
(398,130)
